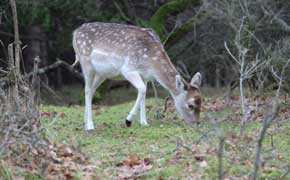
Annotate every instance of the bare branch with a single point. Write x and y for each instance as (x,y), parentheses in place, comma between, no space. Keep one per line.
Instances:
(277,78)
(156,113)
(269,117)
(123,15)
(284,25)
(258,41)
(240,29)
(221,137)
(57,64)
(230,53)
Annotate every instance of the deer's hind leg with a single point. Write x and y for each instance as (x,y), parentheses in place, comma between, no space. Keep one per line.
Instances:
(92,81)
(143,120)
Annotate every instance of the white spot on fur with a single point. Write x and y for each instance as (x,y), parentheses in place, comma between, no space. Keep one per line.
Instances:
(158,52)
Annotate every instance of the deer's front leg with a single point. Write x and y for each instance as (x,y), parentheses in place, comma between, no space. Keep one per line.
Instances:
(143,120)
(135,79)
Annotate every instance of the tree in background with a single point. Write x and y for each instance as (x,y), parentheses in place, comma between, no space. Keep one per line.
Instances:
(194,31)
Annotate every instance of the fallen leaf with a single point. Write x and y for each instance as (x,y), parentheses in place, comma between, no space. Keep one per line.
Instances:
(133,167)
(199,157)
(132,160)
(52,169)
(67,152)
(68,176)
(54,157)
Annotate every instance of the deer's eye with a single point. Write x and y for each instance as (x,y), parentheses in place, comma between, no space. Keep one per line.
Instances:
(190,106)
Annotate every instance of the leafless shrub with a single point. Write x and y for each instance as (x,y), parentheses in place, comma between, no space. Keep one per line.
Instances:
(19,121)
(247,66)
(269,117)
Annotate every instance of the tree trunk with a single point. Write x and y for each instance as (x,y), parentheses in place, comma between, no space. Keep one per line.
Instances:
(36,47)
(217,76)
(16,37)
(15,56)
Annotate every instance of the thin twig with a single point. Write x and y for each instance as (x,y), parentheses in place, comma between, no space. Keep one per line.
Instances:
(221,137)
(156,113)
(268,119)
(230,53)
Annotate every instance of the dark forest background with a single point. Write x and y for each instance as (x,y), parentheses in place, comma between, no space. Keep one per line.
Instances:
(194,33)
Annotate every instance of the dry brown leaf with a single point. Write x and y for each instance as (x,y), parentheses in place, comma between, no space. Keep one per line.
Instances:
(52,169)
(54,157)
(133,167)
(133,160)
(67,152)
(62,115)
(68,175)
(199,157)
(127,172)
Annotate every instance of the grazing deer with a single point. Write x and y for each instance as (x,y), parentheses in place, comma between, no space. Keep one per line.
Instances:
(106,50)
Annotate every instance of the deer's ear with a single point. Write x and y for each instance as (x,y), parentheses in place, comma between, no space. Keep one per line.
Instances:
(179,83)
(196,80)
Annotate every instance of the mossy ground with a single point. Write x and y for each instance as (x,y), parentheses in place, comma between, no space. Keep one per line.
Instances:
(111,142)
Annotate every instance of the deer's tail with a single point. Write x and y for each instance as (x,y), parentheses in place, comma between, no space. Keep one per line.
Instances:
(75,49)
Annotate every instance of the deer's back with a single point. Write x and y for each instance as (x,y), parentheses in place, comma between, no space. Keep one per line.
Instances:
(124,40)
(122,46)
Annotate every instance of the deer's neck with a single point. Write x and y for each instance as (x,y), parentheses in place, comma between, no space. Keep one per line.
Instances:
(166,76)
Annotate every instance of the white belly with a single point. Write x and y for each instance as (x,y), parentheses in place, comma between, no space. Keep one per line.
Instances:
(105,64)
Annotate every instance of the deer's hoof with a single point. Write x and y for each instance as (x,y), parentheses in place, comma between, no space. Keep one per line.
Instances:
(128,123)
(144,123)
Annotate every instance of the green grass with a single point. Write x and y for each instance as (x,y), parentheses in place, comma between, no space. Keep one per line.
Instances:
(111,142)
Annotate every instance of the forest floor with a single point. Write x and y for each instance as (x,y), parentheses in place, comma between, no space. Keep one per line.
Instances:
(167,148)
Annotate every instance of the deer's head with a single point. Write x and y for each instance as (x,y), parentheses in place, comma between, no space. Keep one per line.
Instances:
(188,99)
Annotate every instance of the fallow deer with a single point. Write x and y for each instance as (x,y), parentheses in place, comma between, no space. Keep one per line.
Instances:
(106,50)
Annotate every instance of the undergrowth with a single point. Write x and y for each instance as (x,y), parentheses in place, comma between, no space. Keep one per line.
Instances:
(175,151)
